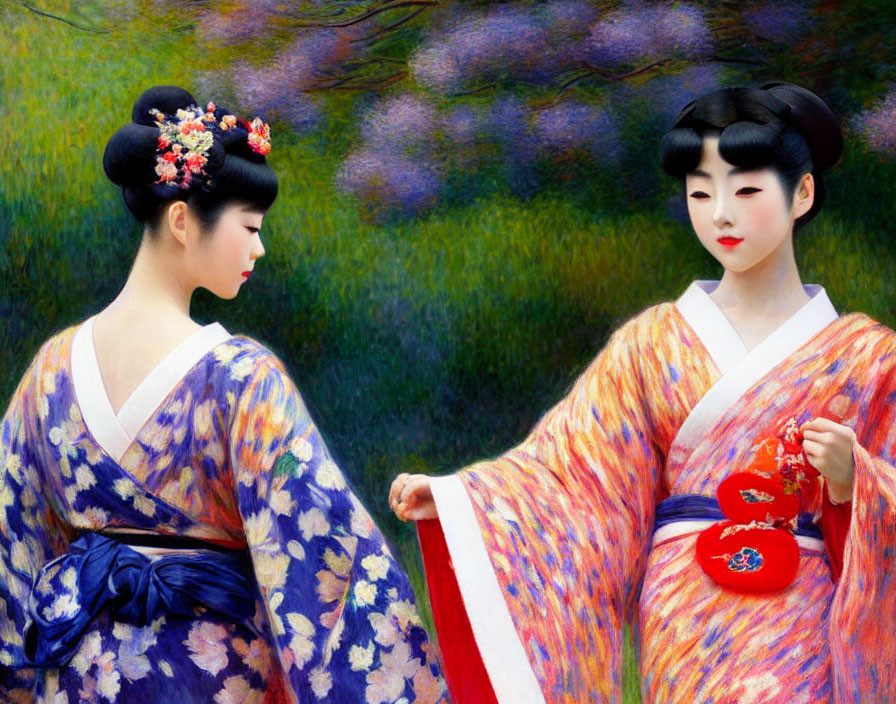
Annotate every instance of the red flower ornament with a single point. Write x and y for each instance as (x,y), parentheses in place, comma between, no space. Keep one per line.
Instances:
(186,140)
(259,137)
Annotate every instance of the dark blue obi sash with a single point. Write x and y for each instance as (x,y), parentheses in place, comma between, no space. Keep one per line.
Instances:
(693,507)
(99,572)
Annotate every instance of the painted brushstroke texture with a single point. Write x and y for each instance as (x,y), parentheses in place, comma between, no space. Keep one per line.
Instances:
(567,519)
(230,456)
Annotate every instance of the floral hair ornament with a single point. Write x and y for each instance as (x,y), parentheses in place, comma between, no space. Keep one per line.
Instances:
(187,138)
(259,136)
(755,550)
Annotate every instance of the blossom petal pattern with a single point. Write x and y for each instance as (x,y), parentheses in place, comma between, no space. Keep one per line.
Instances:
(230,456)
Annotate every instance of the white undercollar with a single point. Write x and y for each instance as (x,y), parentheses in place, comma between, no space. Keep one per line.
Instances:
(115,432)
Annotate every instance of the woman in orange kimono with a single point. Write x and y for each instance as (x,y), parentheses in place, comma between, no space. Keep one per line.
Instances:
(537,559)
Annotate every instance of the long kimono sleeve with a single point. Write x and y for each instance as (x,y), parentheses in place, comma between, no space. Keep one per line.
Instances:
(29,537)
(340,608)
(548,543)
(863,615)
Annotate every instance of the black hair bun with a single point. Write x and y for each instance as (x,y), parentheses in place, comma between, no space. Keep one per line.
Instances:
(168,99)
(208,175)
(815,120)
(130,156)
(129,159)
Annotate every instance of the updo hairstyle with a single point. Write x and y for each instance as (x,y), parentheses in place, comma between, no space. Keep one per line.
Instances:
(234,173)
(779,126)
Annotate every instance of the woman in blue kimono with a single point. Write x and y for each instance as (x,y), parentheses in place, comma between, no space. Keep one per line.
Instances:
(172,527)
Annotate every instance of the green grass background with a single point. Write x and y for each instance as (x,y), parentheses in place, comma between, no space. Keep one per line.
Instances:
(419,346)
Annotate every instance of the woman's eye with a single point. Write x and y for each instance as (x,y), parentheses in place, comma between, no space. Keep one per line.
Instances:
(748,191)
(699,195)
(253,230)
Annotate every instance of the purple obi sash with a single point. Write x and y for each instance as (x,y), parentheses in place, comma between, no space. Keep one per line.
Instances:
(696,507)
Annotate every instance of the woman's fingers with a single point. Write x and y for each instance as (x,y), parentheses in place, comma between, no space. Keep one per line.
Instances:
(419,484)
(820,423)
(414,500)
(410,497)
(395,490)
(817,436)
(813,448)
(826,425)
(829,448)
(423,512)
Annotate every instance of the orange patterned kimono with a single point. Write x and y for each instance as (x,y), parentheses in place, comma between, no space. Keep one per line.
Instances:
(553,549)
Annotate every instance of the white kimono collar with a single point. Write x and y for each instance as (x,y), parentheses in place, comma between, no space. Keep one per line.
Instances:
(115,432)
(740,368)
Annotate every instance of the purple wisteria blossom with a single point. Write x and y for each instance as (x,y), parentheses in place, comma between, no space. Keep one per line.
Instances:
(569,18)
(244,23)
(462,125)
(509,125)
(259,91)
(506,43)
(389,184)
(249,90)
(567,23)
(278,90)
(402,124)
(309,57)
(462,138)
(667,94)
(778,23)
(619,38)
(508,120)
(571,129)
(637,33)
(878,126)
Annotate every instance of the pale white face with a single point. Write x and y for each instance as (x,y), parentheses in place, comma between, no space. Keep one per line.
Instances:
(224,258)
(743,218)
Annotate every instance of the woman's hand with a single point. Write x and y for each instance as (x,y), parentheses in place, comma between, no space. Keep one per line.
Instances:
(411,498)
(828,446)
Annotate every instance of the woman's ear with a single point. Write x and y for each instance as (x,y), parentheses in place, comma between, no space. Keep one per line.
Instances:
(177,221)
(804,197)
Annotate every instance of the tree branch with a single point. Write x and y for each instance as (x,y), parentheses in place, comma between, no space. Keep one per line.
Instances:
(392,26)
(474,91)
(393,5)
(343,83)
(28,6)
(736,60)
(591,71)
(381,60)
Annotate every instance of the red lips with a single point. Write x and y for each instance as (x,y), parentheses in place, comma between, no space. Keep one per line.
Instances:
(728,241)
(246,274)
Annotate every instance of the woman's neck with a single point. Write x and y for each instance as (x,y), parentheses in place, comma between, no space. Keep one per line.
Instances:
(772,285)
(149,318)
(155,288)
(760,299)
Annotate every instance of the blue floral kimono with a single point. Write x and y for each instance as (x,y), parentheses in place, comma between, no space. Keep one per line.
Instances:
(214,447)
